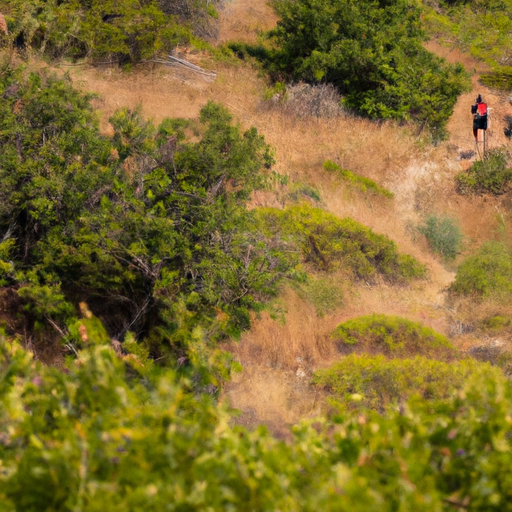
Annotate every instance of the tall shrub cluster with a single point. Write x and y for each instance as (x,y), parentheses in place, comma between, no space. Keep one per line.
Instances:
(147,228)
(372,52)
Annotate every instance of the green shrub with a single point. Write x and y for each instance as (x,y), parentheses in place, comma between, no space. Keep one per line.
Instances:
(486,273)
(497,322)
(359,182)
(324,293)
(392,336)
(300,190)
(147,227)
(488,175)
(443,235)
(118,30)
(379,382)
(372,52)
(328,242)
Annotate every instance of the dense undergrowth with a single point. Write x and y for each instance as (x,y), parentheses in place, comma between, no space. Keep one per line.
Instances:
(148,229)
(92,437)
(378,382)
(492,174)
(486,273)
(123,31)
(392,336)
(481,28)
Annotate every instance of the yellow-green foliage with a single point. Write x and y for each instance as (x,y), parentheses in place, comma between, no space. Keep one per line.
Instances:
(92,437)
(359,182)
(324,293)
(392,336)
(377,381)
(328,243)
(496,322)
(486,273)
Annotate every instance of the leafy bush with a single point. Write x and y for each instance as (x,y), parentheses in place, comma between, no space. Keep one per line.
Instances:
(91,437)
(491,174)
(122,30)
(486,273)
(379,382)
(147,228)
(362,183)
(443,235)
(328,242)
(372,52)
(392,336)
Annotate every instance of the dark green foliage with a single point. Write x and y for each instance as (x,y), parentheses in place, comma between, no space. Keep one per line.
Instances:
(443,235)
(491,174)
(392,336)
(328,242)
(150,230)
(359,182)
(378,382)
(120,30)
(90,438)
(372,52)
(488,272)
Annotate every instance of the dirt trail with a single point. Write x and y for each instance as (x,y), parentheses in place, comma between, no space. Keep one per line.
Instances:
(460,124)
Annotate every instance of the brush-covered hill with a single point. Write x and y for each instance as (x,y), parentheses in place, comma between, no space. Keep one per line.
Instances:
(310,238)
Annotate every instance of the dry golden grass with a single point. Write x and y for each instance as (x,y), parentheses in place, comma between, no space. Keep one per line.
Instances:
(242,21)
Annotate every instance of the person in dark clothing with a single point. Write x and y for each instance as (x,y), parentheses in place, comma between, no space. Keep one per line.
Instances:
(479,111)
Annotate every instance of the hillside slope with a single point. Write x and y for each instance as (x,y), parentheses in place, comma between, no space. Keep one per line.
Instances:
(278,357)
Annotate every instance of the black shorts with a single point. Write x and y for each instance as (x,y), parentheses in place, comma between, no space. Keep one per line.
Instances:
(480,123)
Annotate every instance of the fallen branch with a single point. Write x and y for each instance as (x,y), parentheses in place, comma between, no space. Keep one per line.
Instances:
(175,61)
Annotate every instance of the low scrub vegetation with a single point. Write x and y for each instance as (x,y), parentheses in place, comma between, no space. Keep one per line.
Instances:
(489,175)
(378,382)
(392,336)
(372,53)
(359,182)
(443,235)
(482,28)
(328,243)
(486,273)
(325,294)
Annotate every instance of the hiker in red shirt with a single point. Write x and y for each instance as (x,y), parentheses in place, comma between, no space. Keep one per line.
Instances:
(479,111)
